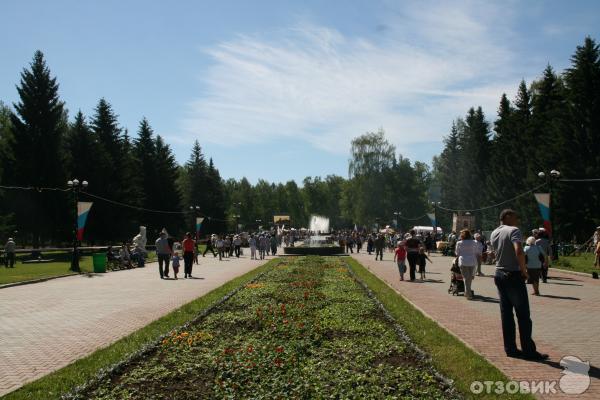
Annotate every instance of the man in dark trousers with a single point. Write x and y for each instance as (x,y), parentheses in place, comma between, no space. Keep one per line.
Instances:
(511,273)
(413,244)
(210,246)
(163,253)
(379,244)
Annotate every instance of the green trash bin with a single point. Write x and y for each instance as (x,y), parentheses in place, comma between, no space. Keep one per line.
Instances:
(99,261)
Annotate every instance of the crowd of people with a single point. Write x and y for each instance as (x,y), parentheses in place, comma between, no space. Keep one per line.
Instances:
(170,253)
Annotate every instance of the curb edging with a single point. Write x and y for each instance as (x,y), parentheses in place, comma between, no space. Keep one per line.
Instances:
(32,281)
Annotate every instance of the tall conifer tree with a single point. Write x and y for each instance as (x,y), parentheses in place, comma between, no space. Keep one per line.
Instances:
(39,124)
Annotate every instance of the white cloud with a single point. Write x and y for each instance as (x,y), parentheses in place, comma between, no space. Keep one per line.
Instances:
(430,64)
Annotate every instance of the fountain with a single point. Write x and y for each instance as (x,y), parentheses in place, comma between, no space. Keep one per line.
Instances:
(319,224)
(317,243)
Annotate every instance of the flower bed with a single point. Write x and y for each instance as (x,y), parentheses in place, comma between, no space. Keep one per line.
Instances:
(306,329)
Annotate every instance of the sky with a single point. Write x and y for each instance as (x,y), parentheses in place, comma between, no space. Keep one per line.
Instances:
(276,90)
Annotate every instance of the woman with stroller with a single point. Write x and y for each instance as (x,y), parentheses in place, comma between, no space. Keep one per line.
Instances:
(534,259)
(468,253)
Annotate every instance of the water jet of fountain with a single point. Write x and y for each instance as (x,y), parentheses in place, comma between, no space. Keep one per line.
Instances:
(319,224)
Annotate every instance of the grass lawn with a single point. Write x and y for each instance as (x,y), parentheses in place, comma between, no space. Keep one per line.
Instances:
(581,263)
(450,356)
(64,380)
(26,272)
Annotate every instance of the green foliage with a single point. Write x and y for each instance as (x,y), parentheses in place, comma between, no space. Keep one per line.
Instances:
(381,184)
(38,129)
(552,124)
(578,263)
(6,160)
(306,329)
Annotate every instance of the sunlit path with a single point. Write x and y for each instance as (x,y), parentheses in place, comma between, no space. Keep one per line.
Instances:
(564,318)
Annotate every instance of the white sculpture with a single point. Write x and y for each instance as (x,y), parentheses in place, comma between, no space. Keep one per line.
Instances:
(140,240)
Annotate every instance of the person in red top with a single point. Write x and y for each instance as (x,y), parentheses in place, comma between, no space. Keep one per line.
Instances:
(188,254)
(400,259)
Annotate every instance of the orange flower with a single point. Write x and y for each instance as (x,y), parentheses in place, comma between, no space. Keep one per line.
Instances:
(279,349)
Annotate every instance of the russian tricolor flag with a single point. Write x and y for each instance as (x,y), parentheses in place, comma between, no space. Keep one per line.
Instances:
(83,209)
(543,200)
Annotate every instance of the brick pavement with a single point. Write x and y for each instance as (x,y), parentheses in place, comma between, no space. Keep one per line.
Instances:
(48,325)
(566,318)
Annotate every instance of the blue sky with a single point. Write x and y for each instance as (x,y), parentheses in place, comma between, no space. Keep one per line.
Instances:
(278,89)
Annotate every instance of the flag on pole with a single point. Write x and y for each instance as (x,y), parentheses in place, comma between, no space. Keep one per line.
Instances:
(199,224)
(543,200)
(83,209)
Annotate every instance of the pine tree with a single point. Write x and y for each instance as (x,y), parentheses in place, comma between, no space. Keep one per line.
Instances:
(145,155)
(448,171)
(216,199)
(114,180)
(80,149)
(167,196)
(193,183)
(38,128)
(508,162)
(576,208)
(6,163)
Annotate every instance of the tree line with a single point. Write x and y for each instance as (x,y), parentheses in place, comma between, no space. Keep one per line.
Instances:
(552,124)
(135,180)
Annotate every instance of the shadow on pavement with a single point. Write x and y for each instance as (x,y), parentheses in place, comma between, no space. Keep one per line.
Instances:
(565,284)
(485,299)
(594,372)
(93,275)
(551,296)
(428,281)
(562,278)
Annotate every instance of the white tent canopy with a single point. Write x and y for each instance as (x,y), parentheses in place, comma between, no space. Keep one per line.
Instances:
(425,229)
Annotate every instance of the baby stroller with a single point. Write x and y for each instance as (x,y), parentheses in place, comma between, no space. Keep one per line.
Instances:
(457,283)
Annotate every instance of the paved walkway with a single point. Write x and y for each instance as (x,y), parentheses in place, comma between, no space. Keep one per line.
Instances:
(566,318)
(46,326)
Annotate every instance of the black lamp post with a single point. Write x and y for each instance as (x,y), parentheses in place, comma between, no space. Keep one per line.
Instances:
(196,212)
(76,186)
(397,215)
(238,206)
(435,205)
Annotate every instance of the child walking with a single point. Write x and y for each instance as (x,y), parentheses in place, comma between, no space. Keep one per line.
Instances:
(422,262)
(400,259)
(175,263)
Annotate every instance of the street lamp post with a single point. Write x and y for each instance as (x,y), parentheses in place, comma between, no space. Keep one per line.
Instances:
(435,205)
(76,186)
(397,215)
(196,212)
(238,205)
